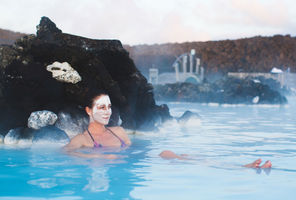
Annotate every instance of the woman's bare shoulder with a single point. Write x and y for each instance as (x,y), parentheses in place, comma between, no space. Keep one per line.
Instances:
(77,141)
(120,132)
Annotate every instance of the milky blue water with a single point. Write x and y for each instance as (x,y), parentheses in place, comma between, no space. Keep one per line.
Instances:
(225,138)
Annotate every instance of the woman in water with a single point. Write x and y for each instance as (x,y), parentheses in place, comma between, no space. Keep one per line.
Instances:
(97,135)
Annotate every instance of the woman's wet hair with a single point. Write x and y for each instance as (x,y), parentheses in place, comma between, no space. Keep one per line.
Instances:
(92,95)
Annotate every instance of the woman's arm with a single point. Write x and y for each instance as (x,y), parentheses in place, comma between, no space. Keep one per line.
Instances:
(92,155)
(75,143)
(167,154)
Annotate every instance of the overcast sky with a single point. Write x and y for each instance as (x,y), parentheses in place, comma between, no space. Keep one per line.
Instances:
(154,21)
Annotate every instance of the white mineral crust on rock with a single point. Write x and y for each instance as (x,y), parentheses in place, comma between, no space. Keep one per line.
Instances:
(41,119)
(64,72)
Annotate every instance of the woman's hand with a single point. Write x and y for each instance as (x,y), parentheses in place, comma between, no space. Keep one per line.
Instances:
(167,154)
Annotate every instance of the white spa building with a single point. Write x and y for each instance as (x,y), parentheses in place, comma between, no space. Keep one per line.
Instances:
(186,69)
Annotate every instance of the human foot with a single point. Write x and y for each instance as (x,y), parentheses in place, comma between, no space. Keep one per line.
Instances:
(267,164)
(254,164)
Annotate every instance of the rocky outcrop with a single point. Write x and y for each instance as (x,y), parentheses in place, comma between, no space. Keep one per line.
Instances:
(72,123)
(257,54)
(29,136)
(50,134)
(188,117)
(13,136)
(20,135)
(224,91)
(41,119)
(27,86)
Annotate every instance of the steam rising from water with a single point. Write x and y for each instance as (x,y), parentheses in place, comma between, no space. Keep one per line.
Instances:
(226,138)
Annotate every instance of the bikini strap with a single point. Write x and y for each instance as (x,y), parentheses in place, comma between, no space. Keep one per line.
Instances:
(122,142)
(90,135)
(95,143)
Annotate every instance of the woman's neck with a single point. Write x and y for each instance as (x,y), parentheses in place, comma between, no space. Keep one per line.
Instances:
(96,128)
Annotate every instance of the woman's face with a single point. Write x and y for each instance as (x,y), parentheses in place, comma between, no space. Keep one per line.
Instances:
(101,110)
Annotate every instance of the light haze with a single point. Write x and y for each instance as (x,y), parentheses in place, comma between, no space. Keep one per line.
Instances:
(154,21)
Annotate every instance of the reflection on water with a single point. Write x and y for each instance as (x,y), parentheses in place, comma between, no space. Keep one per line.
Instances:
(43,182)
(99,180)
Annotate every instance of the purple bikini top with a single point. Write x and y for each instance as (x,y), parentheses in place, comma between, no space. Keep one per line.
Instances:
(98,145)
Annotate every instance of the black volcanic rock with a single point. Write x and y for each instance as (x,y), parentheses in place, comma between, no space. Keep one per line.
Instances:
(187,115)
(26,85)
(51,134)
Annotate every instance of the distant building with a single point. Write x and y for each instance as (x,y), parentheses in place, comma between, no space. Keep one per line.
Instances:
(187,69)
